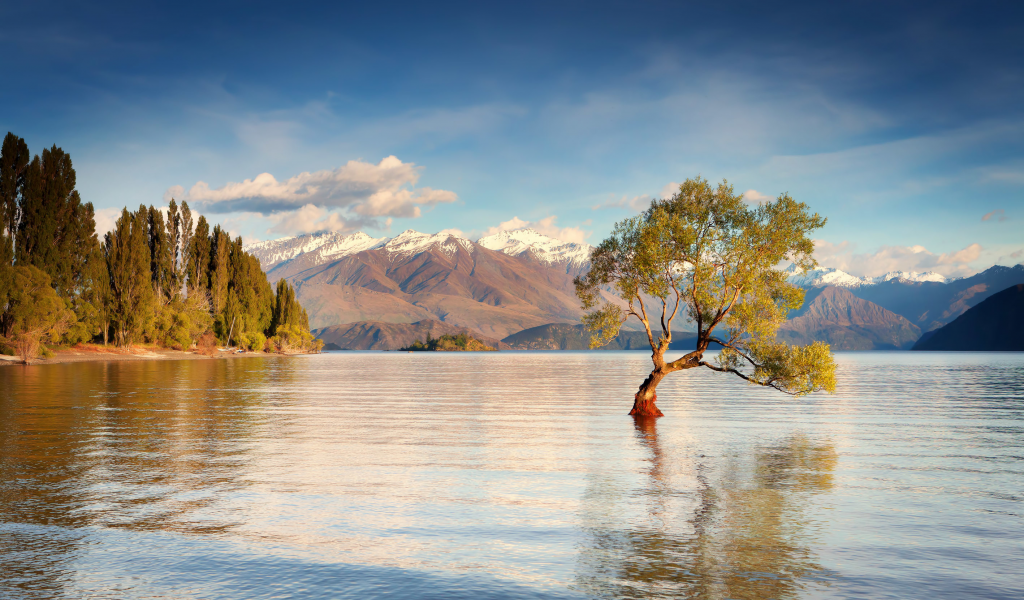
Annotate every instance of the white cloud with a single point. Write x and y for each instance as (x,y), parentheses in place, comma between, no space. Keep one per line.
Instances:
(895,258)
(382,189)
(756,197)
(311,218)
(544,226)
(105,220)
(337,200)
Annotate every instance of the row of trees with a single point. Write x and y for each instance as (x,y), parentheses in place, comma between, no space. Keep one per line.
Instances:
(155,277)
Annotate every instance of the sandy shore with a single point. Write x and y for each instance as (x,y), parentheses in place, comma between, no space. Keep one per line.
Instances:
(90,352)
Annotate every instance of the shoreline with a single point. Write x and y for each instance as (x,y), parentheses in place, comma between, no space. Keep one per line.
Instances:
(93,353)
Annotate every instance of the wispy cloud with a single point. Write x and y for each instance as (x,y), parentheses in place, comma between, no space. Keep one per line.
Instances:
(998,213)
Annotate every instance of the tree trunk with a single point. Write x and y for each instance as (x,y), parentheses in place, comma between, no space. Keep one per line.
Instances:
(643,401)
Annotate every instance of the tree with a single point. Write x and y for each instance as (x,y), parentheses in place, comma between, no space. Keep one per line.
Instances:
(185,246)
(174,282)
(32,310)
(199,257)
(704,252)
(14,157)
(126,250)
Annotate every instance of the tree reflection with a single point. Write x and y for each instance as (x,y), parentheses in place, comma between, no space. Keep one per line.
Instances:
(742,533)
(140,446)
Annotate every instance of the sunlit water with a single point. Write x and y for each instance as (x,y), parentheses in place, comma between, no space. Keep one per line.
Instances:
(509,475)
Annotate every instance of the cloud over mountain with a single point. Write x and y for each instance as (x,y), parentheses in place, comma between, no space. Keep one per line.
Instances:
(337,199)
(545,226)
(895,258)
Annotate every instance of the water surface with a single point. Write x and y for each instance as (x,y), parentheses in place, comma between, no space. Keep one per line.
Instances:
(509,475)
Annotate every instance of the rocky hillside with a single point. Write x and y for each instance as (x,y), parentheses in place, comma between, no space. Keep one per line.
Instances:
(846,322)
(566,336)
(375,335)
(997,323)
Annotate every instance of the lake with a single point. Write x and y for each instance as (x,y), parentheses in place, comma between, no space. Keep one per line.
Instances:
(509,475)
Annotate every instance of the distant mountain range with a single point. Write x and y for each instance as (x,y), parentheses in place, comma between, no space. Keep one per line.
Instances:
(514,281)
(996,323)
(829,276)
(923,299)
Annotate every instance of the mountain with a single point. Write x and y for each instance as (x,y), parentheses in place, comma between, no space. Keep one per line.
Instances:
(927,300)
(574,257)
(375,335)
(996,323)
(834,315)
(829,276)
(566,336)
(319,247)
(523,282)
(930,305)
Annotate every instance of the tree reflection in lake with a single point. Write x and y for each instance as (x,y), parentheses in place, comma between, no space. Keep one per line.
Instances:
(133,445)
(739,529)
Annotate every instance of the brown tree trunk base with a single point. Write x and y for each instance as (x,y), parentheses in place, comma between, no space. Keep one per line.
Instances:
(645,407)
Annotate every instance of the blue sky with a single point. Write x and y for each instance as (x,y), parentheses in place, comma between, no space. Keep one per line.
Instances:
(903,123)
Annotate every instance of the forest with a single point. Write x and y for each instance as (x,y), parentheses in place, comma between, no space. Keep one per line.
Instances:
(155,278)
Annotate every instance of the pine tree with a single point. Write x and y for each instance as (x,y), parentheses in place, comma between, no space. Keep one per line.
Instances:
(185,245)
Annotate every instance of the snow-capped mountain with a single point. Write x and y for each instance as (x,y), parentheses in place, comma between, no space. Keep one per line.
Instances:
(411,242)
(546,249)
(830,276)
(323,247)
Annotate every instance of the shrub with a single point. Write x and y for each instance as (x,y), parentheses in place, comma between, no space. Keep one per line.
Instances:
(207,344)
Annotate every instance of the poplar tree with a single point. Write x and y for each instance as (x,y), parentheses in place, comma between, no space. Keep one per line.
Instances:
(199,258)
(174,282)
(159,253)
(218,270)
(14,160)
(184,246)
(127,254)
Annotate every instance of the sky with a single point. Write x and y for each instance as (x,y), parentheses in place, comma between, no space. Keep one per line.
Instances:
(901,122)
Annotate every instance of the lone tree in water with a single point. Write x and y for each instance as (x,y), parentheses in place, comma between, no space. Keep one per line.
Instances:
(705,253)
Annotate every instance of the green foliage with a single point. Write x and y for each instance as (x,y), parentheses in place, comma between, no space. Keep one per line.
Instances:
(153,277)
(126,250)
(706,253)
(290,338)
(448,343)
(32,312)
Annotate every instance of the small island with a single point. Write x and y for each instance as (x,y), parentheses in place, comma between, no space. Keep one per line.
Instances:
(449,343)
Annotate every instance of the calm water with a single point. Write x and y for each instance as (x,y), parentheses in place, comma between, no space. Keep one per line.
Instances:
(506,475)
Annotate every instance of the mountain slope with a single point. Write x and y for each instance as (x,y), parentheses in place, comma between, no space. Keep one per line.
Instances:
(997,323)
(375,335)
(846,322)
(930,305)
(417,276)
